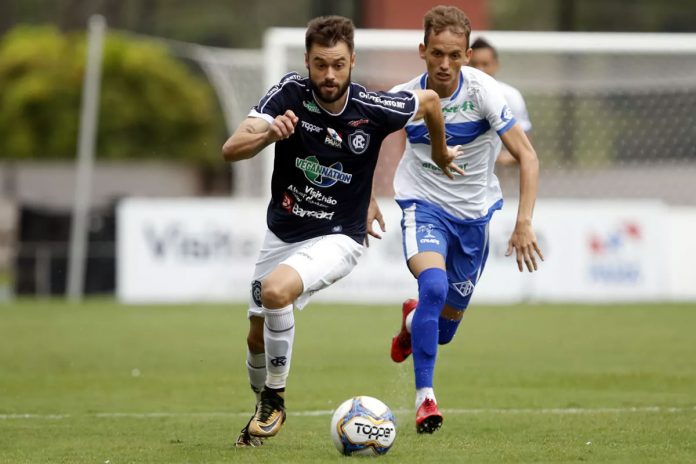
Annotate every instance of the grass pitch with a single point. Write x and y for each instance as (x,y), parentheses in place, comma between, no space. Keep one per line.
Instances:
(103,383)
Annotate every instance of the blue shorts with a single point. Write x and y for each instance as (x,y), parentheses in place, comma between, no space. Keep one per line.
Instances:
(462,242)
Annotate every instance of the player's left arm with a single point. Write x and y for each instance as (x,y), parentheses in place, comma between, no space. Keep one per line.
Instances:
(523,240)
(430,111)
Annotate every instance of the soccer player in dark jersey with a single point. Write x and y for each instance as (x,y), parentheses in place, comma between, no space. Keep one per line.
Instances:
(327,132)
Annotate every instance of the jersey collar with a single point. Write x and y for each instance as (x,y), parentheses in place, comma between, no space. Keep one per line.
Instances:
(424,84)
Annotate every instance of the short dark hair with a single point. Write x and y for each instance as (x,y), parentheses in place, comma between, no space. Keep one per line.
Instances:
(483,43)
(327,31)
(451,18)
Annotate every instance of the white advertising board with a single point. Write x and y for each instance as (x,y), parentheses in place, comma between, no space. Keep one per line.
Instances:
(205,250)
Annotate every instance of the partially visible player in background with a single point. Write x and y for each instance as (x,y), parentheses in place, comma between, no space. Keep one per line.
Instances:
(485,57)
(327,132)
(445,224)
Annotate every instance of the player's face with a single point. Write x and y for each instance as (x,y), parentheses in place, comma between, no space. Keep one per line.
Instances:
(444,56)
(329,70)
(485,60)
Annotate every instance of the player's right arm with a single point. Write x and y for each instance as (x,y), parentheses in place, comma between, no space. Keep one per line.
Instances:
(255,134)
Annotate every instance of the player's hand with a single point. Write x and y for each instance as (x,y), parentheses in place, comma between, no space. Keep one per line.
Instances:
(374,214)
(283,126)
(524,242)
(446,162)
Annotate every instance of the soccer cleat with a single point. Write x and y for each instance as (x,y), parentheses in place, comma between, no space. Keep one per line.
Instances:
(245,439)
(428,417)
(269,417)
(401,343)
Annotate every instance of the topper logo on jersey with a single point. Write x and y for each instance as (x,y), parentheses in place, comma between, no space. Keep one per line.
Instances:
(358,142)
(309,127)
(333,138)
(323,176)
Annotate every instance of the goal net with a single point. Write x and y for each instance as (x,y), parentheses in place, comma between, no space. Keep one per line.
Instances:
(613,114)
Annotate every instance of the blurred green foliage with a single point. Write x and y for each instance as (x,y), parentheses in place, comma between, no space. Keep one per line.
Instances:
(151,105)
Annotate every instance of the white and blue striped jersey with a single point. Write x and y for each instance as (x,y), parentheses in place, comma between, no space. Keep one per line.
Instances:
(475,117)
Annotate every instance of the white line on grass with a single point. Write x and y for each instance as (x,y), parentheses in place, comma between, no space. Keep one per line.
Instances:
(328,412)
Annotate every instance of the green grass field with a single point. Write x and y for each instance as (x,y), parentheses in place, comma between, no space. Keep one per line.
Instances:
(103,383)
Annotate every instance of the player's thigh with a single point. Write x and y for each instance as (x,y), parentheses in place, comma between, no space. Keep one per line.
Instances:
(425,260)
(465,263)
(273,252)
(324,262)
(425,240)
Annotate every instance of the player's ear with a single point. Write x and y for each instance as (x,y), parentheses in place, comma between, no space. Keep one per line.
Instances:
(467,55)
(352,60)
(421,50)
(306,60)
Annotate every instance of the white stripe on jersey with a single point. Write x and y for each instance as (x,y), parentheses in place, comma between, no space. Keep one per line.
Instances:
(474,115)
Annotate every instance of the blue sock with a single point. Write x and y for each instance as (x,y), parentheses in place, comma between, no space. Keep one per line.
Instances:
(448,328)
(432,291)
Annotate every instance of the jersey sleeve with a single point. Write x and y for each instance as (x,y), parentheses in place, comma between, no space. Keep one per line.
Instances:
(394,109)
(276,101)
(518,106)
(495,107)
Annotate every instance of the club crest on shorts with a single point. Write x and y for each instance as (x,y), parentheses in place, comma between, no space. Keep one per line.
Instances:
(464,288)
(358,142)
(256,292)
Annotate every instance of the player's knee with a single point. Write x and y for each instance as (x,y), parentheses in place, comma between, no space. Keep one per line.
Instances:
(275,295)
(432,287)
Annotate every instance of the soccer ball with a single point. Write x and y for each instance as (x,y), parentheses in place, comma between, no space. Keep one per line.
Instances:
(363,425)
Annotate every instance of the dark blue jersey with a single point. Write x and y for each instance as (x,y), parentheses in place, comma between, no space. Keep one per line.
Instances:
(322,174)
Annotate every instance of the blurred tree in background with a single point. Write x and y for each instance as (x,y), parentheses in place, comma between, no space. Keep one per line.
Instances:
(151,105)
(225,23)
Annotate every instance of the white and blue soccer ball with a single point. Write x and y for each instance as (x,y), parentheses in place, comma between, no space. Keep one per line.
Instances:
(363,425)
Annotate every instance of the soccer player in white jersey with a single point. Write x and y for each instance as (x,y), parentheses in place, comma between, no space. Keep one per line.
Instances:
(445,222)
(485,57)
(327,132)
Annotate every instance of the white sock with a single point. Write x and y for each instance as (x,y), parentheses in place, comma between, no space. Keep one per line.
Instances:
(256,368)
(278,337)
(422,394)
(409,320)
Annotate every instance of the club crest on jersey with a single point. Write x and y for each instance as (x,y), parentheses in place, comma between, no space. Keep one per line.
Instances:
(464,288)
(506,114)
(333,138)
(358,142)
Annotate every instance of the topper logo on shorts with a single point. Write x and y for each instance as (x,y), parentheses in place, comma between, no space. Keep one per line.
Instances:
(323,176)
